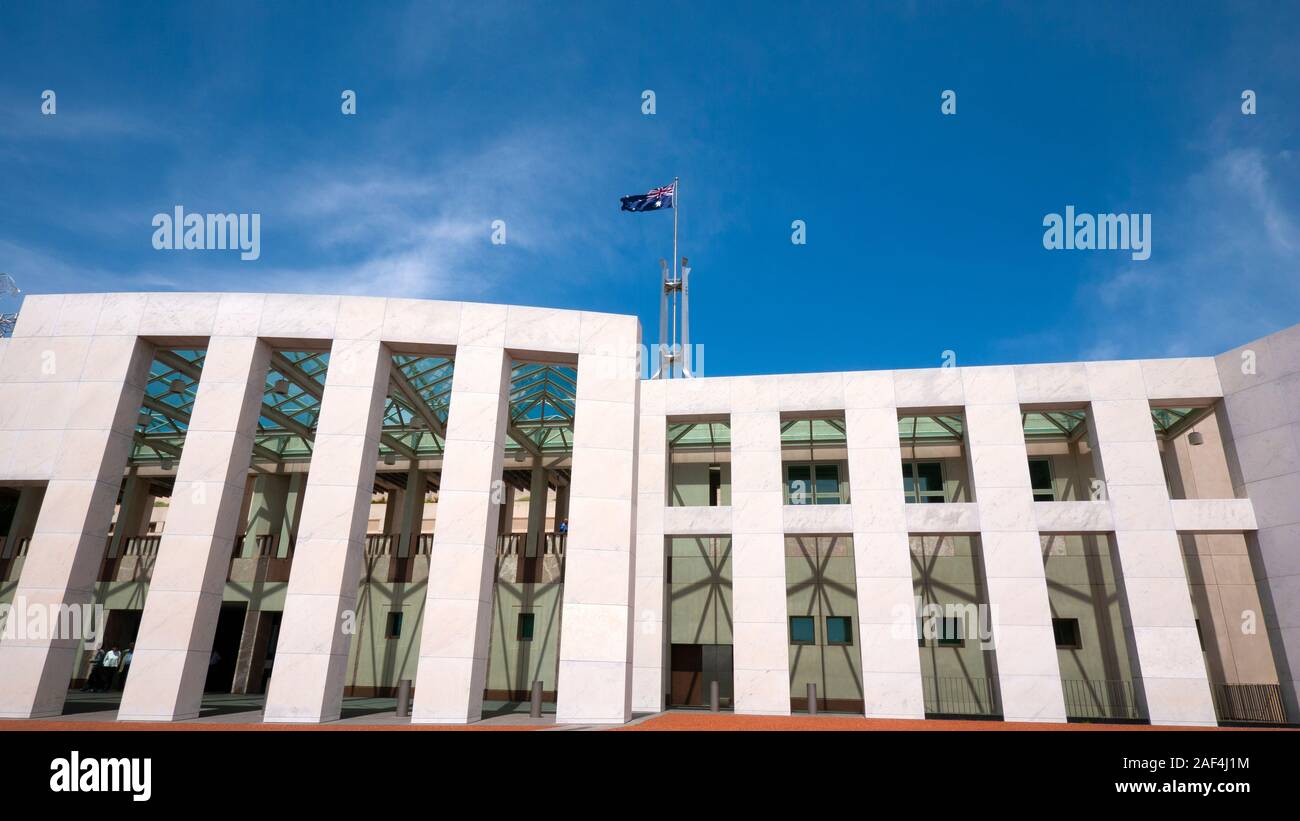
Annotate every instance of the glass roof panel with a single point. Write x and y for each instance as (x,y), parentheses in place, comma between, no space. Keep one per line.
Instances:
(166,406)
(1053,423)
(942,426)
(699,434)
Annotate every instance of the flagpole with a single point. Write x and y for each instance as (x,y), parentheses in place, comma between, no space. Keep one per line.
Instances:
(676,277)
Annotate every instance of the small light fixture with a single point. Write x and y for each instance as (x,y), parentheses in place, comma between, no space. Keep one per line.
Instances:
(280,387)
(166,464)
(1195,438)
(146,419)
(177,386)
(390,458)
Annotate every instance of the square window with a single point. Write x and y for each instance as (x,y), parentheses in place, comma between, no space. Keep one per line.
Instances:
(950,632)
(839,630)
(802,630)
(1040,479)
(828,482)
(799,485)
(1067,633)
(524,631)
(393,629)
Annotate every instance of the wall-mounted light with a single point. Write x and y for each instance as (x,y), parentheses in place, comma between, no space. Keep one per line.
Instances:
(1195,438)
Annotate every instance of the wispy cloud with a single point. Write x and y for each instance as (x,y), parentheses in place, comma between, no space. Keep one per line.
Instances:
(1224,269)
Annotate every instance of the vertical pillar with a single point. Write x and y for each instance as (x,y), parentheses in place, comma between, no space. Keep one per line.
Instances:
(1261,408)
(561,504)
(311,656)
(412,510)
(250,662)
(1029,676)
(23,525)
(595,670)
(137,503)
(537,493)
(292,514)
(266,510)
(506,520)
(761,652)
(68,540)
(648,639)
(457,611)
(891,666)
(180,614)
(1173,681)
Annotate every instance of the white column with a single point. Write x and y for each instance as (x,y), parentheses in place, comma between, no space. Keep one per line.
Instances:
(537,493)
(312,651)
(1153,577)
(68,541)
(180,613)
(1261,408)
(1029,676)
(761,654)
(595,669)
(412,510)
(457,611)
(891,665)
(648,639)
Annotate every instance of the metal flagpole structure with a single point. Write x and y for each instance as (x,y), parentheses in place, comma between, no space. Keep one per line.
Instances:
(673,281)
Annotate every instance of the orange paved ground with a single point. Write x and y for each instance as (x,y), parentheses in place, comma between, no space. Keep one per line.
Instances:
(730,721)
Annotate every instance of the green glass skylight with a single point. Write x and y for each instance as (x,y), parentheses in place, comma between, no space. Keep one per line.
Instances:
(939,427)
(699,435)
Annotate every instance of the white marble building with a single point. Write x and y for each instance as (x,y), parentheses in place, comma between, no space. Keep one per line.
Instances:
(72,422)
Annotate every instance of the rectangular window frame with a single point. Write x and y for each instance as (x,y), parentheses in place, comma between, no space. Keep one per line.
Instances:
(915,495)
(528,618)
(1049,492)
(814,497)
(812,621)
(848,631)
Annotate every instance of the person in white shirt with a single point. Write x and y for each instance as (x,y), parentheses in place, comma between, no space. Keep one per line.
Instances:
(111,661)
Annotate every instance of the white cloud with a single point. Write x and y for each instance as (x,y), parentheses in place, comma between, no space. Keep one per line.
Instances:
(1223,270)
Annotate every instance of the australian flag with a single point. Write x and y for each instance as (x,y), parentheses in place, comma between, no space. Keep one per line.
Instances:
(654,200)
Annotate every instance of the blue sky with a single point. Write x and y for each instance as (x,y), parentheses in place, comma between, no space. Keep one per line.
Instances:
(924,232)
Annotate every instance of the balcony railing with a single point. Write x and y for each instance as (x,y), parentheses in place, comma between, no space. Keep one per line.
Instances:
(1249,703)
(960,696)
(515,544)
(1096,699)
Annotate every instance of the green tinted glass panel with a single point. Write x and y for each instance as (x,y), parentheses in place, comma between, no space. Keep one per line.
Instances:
(802,630)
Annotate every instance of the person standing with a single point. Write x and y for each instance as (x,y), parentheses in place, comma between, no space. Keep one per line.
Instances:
(112,659)
(95,673)
(125,667)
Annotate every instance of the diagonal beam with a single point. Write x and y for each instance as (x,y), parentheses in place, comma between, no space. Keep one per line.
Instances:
(416,401)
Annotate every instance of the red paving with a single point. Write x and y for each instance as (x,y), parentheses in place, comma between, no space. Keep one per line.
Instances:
(731,721)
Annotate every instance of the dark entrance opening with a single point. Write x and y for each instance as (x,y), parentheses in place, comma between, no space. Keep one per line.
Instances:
(694,667)
(225,648)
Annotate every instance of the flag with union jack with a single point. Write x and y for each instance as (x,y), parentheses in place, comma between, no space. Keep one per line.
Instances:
(653,200)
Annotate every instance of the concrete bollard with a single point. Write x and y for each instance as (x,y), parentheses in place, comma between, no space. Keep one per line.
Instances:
(535,706)
(404,698)
(812,699)
(715,700)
